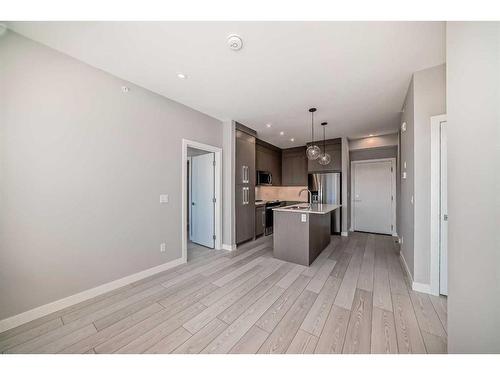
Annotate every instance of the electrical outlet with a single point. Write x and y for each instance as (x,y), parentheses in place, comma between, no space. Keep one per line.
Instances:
(303,218)
(163,247)
(163,198)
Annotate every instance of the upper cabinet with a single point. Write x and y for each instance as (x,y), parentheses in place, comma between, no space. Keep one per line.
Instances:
(294,163)
(334,148)
(268,159)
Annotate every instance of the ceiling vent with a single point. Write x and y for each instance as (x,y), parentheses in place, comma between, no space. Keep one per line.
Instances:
(234,42)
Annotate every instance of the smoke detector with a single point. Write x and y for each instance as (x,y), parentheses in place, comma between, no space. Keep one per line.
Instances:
(234,42)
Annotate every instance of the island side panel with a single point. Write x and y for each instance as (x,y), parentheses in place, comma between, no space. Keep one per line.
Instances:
(319,234)
(291,237)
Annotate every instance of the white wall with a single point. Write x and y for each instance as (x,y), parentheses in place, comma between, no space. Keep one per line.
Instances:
(81,168)
(473,86)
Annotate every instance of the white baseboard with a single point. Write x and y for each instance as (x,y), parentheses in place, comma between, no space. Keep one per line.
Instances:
(228,247)
(344,234)
(407,269)
(418,287)
(52,307)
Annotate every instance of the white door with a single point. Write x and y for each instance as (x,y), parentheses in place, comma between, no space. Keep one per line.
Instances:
(373,197)
(202,227)
(443,256)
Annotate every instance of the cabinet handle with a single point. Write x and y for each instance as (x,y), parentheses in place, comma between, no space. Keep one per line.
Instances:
(247,177)
(264,219)
(243,174)
(243,195)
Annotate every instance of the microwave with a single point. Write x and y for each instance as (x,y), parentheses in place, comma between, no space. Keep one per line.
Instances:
(264,178)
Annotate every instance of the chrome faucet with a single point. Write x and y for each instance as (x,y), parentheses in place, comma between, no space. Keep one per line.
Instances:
(309,193)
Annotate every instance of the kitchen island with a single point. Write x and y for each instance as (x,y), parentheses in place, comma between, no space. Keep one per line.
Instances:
(302,232)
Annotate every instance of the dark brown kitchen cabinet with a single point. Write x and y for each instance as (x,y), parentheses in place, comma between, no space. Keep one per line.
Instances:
(334,148)
(244,185)
(260,220)
(268,159)
(294,167)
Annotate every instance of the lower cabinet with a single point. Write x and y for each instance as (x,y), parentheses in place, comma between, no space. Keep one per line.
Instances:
(260,220)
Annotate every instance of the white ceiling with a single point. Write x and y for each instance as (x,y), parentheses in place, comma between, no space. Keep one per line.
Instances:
(355,73)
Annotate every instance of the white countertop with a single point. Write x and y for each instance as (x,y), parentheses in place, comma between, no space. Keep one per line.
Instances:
(315,208)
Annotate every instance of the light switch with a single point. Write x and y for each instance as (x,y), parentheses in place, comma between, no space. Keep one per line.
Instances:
(303,218)
(404,165)
(163,198)
(411,200)
(404,175)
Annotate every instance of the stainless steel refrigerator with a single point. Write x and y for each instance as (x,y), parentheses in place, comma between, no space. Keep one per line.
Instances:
(326,188)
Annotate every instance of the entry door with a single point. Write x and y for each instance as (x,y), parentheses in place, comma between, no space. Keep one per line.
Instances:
(202,200)
(443,258)
(373,196)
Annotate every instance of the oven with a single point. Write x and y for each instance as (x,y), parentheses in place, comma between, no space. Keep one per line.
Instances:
(270,216)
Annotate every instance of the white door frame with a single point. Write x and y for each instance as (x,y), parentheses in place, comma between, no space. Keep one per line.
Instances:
(393,187)
(218,192)
(435,201)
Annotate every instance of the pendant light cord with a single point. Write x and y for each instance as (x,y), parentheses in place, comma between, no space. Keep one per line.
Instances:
(324,142)
(312,127)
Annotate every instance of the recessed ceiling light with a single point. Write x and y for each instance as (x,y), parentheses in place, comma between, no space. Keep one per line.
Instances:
(370,135)
(282,133)
(292,139)
(269,125)
(181,76)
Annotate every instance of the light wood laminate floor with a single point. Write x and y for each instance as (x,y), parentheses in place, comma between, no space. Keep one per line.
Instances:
(354,298)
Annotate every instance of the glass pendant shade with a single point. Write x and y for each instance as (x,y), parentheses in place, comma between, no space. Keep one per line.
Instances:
(313,152)
(324,159)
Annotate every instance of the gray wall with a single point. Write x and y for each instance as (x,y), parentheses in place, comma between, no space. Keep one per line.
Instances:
(374,153)
(430,100)
(405,207)
(386,140)
(473,59)
(426,98)
(82,166)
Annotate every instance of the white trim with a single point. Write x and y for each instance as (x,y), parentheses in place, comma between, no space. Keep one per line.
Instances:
(422,288)
(435,202)
(218,192)
(406,268)
(344,234)
(393,188)
(38,312)
(418,287)
(228,247)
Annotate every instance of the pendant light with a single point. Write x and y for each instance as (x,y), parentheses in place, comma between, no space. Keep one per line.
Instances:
(312,151)
(324,158)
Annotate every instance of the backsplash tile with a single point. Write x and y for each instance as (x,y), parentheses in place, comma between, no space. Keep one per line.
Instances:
(283,193)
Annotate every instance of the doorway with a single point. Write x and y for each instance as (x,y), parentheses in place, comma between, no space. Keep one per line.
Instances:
(201,191)
(439,205)
(373,196)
